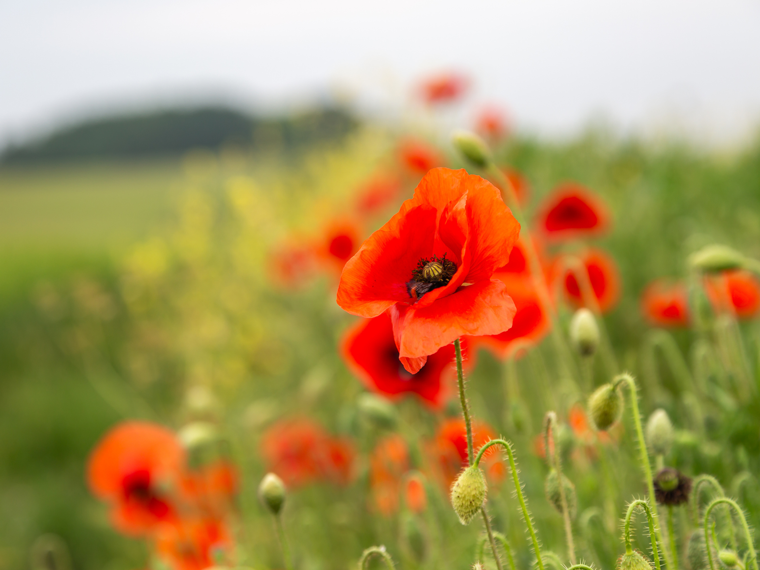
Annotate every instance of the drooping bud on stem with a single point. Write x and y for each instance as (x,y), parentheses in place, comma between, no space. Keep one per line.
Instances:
(272,493)
(605,406)
(716,258)
(554,496)
(584,332)
(468,494)
(472,147)
(659,432)
(728,558)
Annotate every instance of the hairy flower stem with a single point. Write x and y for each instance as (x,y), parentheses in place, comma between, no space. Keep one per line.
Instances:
(280,531)
(628,380)
(552,454)
(672,537)
(507,549)
(463,401)
(518,491)
(641,503)
(375,551)
(489,532)
(747,535)
(697,486)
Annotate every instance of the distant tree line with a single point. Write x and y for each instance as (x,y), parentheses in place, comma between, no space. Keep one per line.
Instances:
(166,133)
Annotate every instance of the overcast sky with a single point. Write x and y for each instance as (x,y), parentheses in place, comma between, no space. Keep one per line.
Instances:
(691,64)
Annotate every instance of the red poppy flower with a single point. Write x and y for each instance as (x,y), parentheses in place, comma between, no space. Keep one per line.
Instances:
(292,263)
(377,194)
(194,543)
(340,242)
(531,322)
(738,291)
(432,265)
(451,445)
(388,463)
(491,122)
(369,350)
(416,497)
(300,452)
(666,304)
(572,211)
(602,274)
(130,468)
(443,88)
(418,157)
(212,485)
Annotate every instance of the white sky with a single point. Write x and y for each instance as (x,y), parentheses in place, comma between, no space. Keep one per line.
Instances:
(555,64)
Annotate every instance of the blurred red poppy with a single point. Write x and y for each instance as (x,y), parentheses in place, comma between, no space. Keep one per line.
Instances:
(416,497)
(432,265)
(211,486)
(377,194)
(571,211)
(602,275)
(194,543)
(131,468)
(370,352)
(419,157)
(491,122)
(443,88)
(292,263)
(666,304)
(341,239)
(451,446)
(738,291)
(389,461)
(300,451)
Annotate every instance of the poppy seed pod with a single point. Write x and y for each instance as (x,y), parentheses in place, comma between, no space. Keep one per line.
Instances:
(472,147)
(671,487)
(605,407)
(554,496)
(696,555)
(584,332)
(716,258)
(659,432)
(633,561)
(272,493)
(728,558)
(468,494)
(378,410)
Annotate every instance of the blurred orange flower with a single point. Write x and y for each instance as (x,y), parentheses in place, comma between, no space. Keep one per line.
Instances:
(376,194)
(193,543)
(443,88)
(389,461)
(737,291)
(432,265)
(572,211)
(131,468)
(666,304)
(292,263)
(340,240)
(491,122)
(451,450)
(418,157)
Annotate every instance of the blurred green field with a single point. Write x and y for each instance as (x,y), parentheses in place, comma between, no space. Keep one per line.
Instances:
(60,223)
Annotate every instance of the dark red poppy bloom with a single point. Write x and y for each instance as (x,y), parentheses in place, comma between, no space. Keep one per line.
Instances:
(419,157)
(340,241)
(130,468)
(194,543)
(451,447)
(432,265)
(602,274)
(492,123)
(666,304)
(377,194)
(571,211)
(531,322)
(737,291)
(443,88)
(369,350)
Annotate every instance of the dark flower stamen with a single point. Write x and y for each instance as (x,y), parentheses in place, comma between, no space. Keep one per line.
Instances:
(430,274)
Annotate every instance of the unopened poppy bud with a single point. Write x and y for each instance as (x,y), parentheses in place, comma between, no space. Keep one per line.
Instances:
(554,496)
(728,558)
(468,494)
(584,332)
(659,433)
(272,493)
(696,555)
(472,147)
(633,561)
(716,258)
(477,566)
(378,410)
(605,407)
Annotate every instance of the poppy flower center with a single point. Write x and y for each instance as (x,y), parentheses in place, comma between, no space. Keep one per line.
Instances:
(430,274)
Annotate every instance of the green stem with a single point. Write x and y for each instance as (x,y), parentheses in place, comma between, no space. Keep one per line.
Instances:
(507,549)
(463,401)
(553,559)
(375,551)
(283,542)
(628,380)
(672,537)
(555,461)
(490,535)
(740,514)
(518,489)
(695,490)
(641,503)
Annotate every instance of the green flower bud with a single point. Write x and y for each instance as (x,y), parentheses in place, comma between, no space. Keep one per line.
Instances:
(272,493)
(605,407)
(584,332)
(553,495)
(716,258)
(633,561)
(696,555)
(728,558)
(659,432)
(378,410)
(472,147)
(468,494)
